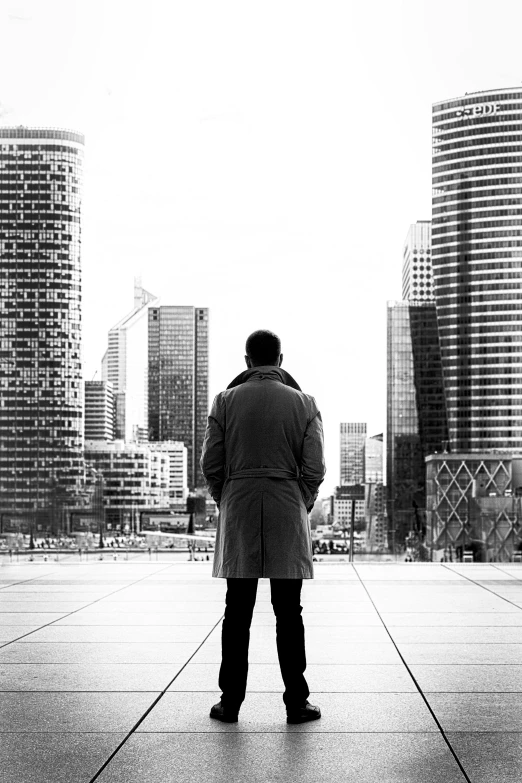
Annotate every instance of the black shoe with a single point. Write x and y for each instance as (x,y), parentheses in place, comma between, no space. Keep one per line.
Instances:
(303,714)
(223,714)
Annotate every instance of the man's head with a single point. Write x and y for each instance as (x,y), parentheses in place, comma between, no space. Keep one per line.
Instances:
(262,348)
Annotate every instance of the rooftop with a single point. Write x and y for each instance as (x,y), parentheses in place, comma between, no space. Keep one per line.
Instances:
(108,671)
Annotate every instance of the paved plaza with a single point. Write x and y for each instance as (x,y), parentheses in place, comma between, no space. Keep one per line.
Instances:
(108,671)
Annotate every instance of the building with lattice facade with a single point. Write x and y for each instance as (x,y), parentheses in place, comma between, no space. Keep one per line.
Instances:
(474,505)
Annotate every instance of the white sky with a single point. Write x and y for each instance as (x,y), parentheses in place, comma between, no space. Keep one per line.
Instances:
(264,159)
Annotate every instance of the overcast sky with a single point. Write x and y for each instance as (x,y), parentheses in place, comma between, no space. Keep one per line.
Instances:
(264,159)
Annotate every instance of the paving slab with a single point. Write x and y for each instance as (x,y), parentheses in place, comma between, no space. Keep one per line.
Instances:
(9,633)
(86,677)
(222,757)
(54,758)
(478,571)
(42,597)
(139,618)
(165,607)
(458,619)
(120,634)
(327,607)
(436,585)
(68,712)
(489,758)
(94,653)
(29,618)
(71,588)
(485,602)
(461,654)
(489,712)
(457,635)
(265,712)
(392,572)
(489,678)
(332,678)
(30,605)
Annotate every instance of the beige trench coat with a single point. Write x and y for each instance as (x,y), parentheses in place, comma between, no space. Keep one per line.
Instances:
(263,460)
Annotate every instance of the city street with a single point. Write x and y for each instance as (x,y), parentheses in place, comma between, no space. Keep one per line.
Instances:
(108,671)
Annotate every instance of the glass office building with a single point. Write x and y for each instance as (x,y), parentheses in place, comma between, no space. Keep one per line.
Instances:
(41,427)
(416,412)
(477,265)
(178,380)
(352,450)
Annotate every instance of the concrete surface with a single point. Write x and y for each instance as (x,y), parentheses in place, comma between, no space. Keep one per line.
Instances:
(108,671)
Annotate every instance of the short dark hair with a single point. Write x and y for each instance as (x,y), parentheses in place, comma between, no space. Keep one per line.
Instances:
(263,347)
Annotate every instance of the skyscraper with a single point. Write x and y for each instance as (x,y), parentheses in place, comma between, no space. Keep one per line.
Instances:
(125,365)
(99,410)
(352,442)
(417,281)
(373,454)
(476,255)
(41,427)
(477,252)
(178,380)
(416,412)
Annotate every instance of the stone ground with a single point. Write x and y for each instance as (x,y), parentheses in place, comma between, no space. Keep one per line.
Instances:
(108,671)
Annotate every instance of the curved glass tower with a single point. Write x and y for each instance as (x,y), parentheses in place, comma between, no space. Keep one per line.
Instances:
(40,365)
(477,265)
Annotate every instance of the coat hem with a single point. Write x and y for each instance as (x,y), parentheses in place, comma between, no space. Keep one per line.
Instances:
(260,576)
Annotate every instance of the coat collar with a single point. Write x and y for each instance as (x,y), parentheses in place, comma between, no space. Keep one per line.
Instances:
(265,371)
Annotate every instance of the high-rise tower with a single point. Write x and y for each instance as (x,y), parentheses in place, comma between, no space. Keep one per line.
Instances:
(352,442)
(178,380)
(99,410)
(417,281)
(125,366)
(41,428)
(477,265)
(416,410)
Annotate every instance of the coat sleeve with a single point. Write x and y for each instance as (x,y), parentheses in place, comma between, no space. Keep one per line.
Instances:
(313,466)
(213,453)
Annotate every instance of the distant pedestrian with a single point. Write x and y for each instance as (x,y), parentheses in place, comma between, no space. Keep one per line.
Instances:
(263,462)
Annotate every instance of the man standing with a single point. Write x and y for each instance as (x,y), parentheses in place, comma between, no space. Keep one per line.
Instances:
(263,460)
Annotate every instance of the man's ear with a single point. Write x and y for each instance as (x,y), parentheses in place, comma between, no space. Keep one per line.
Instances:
(248,361)
(280,359)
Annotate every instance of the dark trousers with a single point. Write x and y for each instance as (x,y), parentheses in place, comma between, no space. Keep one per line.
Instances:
(235,636)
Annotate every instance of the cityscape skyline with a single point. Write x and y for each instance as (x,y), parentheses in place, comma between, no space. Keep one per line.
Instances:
(301,120)
(174,177)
